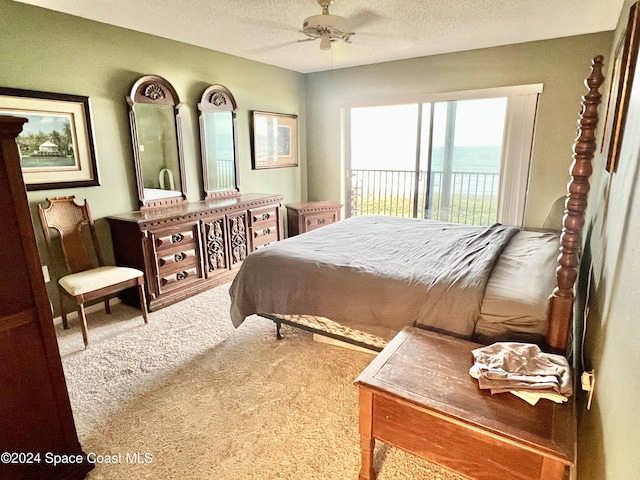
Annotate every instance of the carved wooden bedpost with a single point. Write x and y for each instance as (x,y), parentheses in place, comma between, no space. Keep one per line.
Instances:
(561,300)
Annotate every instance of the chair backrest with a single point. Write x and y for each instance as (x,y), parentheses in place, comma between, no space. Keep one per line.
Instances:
(67,217)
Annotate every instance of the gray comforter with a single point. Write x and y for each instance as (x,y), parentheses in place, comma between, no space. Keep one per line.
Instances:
(377,271)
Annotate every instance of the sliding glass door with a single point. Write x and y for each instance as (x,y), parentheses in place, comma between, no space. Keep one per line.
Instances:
(466,152)
(383,159)
(463,161)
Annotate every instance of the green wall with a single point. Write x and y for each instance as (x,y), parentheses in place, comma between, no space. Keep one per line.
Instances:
(47,51)
(608,440)
(76,56)
(561,65)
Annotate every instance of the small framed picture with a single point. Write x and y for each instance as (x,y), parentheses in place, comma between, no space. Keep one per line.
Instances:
(56,144)
(274,140)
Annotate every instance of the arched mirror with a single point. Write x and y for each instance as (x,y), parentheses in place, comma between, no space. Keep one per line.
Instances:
(157,142)
(218,140)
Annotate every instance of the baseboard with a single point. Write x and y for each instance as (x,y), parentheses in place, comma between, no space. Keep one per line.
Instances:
(96,307)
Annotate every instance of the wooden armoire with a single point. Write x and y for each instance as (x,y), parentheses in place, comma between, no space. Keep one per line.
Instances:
(36,421)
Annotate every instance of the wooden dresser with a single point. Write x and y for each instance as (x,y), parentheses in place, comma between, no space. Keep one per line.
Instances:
(35,413)
(189,248)
(307,216)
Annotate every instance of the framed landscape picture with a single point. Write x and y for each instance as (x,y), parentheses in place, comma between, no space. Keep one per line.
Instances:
(274,140)
(56,144)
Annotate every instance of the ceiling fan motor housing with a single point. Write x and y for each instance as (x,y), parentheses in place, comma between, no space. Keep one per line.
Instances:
(317,25)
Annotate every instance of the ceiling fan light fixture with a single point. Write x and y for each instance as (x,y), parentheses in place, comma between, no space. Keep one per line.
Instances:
(328,28)
(325,41)
(316,23)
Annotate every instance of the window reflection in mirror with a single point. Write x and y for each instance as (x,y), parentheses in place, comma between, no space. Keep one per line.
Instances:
(158,150)
(157,142)
(218,130)
(219,144)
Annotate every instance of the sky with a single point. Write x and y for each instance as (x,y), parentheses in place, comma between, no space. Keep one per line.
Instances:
(42,122)
(385,137)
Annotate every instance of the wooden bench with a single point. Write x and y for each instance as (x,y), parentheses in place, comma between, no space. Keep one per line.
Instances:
(417,395)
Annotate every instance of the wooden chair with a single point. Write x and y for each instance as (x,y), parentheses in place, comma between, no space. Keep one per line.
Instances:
(85,281)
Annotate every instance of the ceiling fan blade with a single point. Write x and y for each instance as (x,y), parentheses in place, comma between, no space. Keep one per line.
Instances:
(409,39)
(272,25)
(277,46)
(362,18)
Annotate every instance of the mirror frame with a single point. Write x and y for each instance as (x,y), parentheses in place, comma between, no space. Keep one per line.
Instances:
(217,98)
(153,89)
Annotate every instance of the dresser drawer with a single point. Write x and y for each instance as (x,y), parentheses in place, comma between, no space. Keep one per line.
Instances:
(177,259)
(261,217)
(180,278)
(263,236)
(317,220)
(184,237)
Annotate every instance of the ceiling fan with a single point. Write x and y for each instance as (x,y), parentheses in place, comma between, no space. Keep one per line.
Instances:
(327,27)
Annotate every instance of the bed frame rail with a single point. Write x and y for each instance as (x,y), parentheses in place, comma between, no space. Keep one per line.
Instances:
(327,328)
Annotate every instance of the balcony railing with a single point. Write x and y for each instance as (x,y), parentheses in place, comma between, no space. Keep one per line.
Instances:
(460,197)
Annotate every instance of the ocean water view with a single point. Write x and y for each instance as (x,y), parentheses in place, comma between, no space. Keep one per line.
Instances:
(479,159)
(467,195)
(485,159)
(39,162)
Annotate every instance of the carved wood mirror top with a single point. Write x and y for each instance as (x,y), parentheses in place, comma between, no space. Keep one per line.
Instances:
(219,145)
(157,142)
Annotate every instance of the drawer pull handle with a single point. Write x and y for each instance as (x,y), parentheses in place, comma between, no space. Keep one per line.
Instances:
(266,231)
(181,275)
(177,238)
(266,216)
(320,221)
(178,257)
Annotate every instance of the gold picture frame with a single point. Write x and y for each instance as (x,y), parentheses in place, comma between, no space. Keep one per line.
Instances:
(624,65)
(274,140)
(56,144)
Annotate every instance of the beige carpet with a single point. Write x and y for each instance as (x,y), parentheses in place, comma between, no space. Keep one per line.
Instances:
(205,401)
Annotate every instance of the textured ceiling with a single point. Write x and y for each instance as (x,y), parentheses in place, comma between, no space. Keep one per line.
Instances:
(268,30)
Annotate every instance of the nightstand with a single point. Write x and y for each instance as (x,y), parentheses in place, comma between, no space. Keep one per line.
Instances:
(307,216)
(417,395)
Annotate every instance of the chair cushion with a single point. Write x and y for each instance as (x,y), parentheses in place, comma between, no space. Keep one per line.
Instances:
(97,278)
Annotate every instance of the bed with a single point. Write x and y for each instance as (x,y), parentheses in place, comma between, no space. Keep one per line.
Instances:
(365,278)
